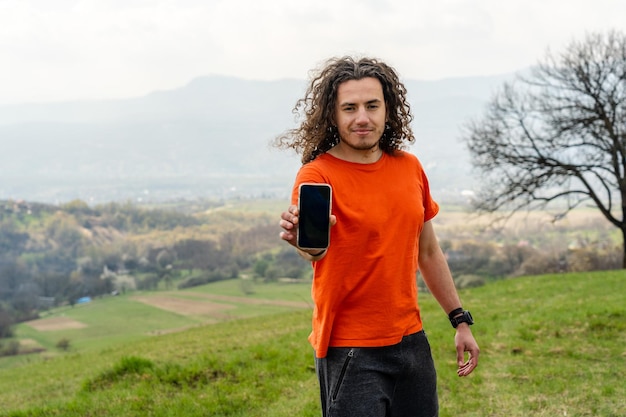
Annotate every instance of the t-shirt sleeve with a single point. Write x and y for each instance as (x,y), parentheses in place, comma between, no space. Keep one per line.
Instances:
(431,208)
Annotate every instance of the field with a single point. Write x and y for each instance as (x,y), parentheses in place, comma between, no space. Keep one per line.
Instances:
(550,346)
(112,320)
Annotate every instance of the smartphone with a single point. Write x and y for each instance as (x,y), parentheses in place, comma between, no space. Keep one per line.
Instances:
(314,205)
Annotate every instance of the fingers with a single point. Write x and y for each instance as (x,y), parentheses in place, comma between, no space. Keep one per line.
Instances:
(460,355)
(288,222)
(466,367)
(289,218)
(465,342)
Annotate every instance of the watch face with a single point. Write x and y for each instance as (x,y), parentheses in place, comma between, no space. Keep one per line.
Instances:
(465,318)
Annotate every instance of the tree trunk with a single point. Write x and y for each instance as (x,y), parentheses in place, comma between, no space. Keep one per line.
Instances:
(623,247)
(623,228)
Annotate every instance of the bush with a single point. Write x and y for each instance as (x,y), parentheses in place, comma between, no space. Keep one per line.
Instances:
(540,263)
(247,286)
(469,281)
(6,324)
(63,344)
(11,349)
(593,259)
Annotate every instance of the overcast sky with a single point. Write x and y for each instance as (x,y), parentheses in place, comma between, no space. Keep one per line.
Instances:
(56,50)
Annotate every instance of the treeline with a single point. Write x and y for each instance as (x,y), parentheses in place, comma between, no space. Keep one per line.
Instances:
(53,255)
(480,249)
(474,262)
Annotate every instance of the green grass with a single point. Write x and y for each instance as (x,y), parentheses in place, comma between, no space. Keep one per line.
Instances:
(550,346)
(111,321)
(270,291)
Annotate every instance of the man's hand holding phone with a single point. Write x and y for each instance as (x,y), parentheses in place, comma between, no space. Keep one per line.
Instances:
(307,225)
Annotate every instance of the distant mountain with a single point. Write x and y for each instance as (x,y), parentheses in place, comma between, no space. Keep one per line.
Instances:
(208,139)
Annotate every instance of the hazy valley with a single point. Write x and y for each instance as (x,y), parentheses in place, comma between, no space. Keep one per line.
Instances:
(208,139)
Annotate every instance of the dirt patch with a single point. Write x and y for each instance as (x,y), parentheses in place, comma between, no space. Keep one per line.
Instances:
(29,343)
(185,307)
(55,323)
(28,346)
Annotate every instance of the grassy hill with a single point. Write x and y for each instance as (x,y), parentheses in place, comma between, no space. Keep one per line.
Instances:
(550,346)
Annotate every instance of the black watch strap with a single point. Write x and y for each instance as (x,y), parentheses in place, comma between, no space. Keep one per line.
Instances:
(465,317)
(455,313)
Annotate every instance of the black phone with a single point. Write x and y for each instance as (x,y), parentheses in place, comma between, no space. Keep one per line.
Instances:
(314,205)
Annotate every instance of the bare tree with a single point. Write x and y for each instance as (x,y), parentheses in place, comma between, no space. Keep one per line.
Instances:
(558,134)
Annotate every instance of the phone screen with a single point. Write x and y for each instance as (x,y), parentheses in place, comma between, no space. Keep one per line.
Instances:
(314,223)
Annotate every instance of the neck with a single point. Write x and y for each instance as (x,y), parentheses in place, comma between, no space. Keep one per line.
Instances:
(359,156)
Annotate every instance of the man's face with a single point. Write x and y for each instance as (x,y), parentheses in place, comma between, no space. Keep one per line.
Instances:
(360,114)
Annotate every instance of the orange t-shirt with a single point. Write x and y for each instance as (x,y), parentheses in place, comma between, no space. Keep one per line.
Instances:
(364,289)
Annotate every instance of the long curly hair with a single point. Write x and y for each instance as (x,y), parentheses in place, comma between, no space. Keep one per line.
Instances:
(317,132)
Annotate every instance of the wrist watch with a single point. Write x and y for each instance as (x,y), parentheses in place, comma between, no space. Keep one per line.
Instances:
(465,317)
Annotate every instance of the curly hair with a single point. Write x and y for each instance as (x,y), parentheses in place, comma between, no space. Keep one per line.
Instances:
(317,133)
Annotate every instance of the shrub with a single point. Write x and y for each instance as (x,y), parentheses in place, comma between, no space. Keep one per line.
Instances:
(469,281)
(11,349)
(540,263)
(63,344)
(593,259)
(6,324)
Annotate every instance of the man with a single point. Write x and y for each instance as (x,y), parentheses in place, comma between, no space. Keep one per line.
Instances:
(371,353)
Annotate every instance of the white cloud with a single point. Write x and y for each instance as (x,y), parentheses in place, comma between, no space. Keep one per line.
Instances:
(68,49)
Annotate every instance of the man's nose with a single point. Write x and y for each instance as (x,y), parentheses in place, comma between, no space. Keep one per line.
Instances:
(361,116)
